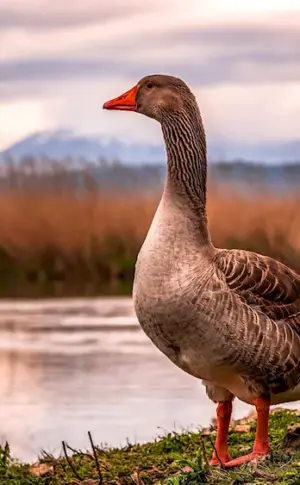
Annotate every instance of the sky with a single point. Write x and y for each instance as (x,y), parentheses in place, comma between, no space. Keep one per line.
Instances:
(59,61)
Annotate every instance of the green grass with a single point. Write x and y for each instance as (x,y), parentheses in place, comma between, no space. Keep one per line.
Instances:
(175,459)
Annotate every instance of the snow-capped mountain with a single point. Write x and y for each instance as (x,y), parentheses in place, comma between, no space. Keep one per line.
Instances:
(60,144)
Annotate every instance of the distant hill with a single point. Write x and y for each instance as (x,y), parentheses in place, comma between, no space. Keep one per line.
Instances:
(60,144)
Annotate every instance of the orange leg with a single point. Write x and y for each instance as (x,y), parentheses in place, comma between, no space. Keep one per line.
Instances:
(261,444)
(221,453)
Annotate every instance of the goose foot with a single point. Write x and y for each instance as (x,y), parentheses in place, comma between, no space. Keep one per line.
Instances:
(241,460)
(221,459)
(261,444)
(221,454)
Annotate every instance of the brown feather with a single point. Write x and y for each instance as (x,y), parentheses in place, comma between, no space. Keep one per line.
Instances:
(273,290)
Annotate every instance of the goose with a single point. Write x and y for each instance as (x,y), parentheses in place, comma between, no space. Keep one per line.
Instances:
(230,318)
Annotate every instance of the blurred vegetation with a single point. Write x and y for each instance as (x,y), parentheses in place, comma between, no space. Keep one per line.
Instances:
(175,459)
(72,231)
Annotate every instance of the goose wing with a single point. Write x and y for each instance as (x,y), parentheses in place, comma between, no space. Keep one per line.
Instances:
(271,291)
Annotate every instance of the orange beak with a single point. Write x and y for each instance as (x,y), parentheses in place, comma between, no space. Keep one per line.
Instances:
(124,102)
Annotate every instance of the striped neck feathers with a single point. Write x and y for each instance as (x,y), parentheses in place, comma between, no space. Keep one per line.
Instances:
(185,141)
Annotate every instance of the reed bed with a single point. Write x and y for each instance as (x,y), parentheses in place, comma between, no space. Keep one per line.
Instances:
(58,240)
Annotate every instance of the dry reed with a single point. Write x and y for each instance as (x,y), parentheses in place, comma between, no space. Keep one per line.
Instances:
(85,242)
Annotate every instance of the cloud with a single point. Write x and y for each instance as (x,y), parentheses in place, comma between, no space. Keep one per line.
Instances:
(60,60)
(205,54)
(31,15)
(20,118)
(201,56)
(236,39)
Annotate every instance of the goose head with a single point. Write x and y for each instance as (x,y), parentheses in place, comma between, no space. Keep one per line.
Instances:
(157,96)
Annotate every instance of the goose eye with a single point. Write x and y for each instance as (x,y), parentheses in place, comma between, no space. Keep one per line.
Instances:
(149,85)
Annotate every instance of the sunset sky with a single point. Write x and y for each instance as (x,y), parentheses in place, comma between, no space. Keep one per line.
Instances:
(59,61)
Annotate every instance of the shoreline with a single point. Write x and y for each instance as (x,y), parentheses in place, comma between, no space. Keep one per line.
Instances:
(174,459)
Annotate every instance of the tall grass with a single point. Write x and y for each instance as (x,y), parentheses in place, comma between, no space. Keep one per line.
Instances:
(70,243)
(266,222)
(59,240)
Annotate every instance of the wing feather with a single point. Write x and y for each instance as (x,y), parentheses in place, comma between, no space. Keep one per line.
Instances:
(263,283)
(272,290)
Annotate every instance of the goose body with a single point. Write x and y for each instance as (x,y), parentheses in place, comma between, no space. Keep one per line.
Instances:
(235,340)
(163,281)
(228,317)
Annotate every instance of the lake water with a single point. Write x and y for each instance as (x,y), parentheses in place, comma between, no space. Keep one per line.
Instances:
(72,366)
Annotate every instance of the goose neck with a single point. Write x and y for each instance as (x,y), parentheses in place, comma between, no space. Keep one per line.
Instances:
(187,166)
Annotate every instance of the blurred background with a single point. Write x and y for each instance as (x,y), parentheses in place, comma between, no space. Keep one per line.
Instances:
(79,186)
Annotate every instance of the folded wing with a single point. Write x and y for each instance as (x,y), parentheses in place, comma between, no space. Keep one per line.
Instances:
(272,290)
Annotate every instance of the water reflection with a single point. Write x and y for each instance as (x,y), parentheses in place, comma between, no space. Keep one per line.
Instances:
(67,367)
